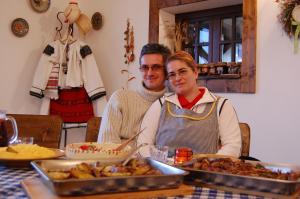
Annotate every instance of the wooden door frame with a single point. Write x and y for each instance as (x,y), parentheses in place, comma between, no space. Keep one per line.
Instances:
(246,84)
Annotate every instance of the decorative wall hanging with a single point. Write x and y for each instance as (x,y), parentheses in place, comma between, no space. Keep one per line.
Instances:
(96,21)
(289,18)
(40,5)
(129,44)
(129,51)
(19,27)
(84,24)
(180,34)
(73,14)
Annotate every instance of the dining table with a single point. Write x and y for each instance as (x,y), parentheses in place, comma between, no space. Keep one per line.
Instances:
(11,177)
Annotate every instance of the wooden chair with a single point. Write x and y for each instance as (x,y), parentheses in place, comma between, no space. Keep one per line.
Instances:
(92,129)
(45,129)
(245,131)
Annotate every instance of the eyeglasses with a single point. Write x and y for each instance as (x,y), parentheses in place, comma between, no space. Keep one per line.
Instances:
(154,67)
(181,73)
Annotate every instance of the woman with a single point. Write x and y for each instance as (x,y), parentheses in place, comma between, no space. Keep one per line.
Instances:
(191,117)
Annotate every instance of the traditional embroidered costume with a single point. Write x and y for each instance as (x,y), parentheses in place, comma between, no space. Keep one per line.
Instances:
(69,66)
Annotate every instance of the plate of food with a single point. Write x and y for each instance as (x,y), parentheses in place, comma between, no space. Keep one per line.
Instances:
(22,154)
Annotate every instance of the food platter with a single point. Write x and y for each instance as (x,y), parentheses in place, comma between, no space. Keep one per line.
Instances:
(170,177)
(211,176)
(25,161)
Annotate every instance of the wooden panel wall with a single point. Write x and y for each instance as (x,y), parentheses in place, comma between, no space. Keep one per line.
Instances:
(249,46)
(246,84)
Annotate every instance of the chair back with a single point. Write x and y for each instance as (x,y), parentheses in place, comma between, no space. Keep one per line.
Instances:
(92,129)
(45,129)
(245,131)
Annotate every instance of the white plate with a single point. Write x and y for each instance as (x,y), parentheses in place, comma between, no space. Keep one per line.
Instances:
(103,152)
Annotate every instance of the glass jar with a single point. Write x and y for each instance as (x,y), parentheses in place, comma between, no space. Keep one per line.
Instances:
(182,155)
(4,141)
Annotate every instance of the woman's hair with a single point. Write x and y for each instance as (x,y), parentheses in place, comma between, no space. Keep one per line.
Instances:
(184,57)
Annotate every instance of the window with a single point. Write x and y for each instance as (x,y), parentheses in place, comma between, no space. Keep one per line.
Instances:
(247,81)
(214,35)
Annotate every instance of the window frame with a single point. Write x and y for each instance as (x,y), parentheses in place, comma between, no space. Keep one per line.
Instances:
(247,82)
(214,16)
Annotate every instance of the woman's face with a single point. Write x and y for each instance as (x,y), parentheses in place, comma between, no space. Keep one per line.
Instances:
(181,77)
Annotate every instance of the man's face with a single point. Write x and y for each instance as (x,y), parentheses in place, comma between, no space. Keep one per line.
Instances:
(152,69)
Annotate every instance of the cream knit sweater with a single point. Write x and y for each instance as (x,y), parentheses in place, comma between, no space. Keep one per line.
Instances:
(124,112)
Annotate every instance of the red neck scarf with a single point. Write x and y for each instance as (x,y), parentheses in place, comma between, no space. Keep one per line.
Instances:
(188,105)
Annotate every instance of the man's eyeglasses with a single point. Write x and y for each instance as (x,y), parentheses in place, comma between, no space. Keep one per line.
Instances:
(181,73)
(154,67)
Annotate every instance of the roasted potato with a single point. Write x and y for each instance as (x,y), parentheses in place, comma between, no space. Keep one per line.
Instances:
(59,175)
(97,171)
(141,170)
(76,173)
(85,171)
(110,174)
(84,167)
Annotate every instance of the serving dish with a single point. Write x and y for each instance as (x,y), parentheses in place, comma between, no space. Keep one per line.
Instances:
(171,177)
(25,162)
(103,152)
(255,183)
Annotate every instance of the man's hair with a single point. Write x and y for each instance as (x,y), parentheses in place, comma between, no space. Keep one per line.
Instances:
(155,48)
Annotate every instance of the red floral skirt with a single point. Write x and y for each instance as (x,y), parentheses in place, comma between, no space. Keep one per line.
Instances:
(73,105)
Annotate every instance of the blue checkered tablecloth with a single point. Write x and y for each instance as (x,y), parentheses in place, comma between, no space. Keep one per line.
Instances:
(10,187)
(10,178)
(206,193)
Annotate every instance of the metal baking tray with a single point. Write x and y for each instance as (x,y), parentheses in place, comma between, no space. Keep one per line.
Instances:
(172,177)
(261,184)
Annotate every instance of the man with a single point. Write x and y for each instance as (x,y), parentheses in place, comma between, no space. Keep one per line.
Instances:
(126,108)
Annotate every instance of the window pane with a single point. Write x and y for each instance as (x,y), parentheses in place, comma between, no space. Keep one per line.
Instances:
(226,29)
(239,27)
(226,53)
(203,54)
(191,35)
(238,52)
(203,31)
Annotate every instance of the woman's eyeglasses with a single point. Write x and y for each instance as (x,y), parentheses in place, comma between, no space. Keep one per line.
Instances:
(181,73)
(154,67)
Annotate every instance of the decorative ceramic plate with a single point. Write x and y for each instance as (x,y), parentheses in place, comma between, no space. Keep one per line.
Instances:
(40,5)
(96,21)
(19,27)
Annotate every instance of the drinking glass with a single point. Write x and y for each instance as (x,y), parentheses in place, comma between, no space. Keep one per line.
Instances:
(159,153)
(25,140)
